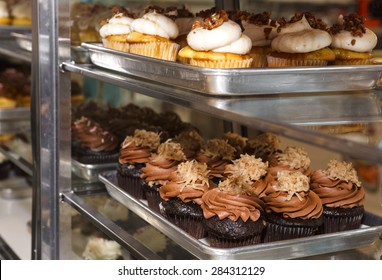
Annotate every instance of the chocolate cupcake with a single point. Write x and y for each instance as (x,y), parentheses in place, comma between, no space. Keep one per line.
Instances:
(134,154)
(191,142)
(216,153)
(233,214)
(291,159)
(263,146)
(158,170)
(237,141)
(341,194)
(92,144)
(182,197)
(292,209)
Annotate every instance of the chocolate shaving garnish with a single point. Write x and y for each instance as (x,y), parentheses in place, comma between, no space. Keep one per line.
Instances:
(214,21)
(353,23)
(206,13)
(154,8)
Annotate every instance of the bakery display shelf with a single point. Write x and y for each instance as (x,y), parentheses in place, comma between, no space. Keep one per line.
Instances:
(265,113)
(90,172)
(17,159)
(239,82)
(367,235)
(110,228)
(10,49)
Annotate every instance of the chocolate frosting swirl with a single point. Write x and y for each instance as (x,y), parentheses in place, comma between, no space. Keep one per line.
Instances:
(92,136)
(159,169)
(292,203)
(232,206)
(337,192)
(138,148)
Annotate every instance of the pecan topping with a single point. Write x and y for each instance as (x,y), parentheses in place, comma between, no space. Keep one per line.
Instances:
(353,23)
(214,21)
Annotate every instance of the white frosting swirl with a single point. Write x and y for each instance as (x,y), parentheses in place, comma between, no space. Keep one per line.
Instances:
(153,23)
(297,26)
(302,42)
(345,40)
(257,35)
(117,25)
(3,10)
(22,10)
(225,38)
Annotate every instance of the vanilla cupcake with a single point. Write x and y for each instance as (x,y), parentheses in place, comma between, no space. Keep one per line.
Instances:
(261,29)
(352,42)
(115,30)
(21,13)
(4,13)
(303,41)
(217,42)
(153,35)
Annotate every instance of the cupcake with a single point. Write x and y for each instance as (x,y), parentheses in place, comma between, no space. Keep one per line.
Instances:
(21,13)
(4,13)
(217,42)
(233,214)
(352,42)
(134,154)
(7,99)
(237,141)
(303,41)
(216,153)
(263,146)
(92,144)
(291,159)
(341,194)
(158,170)
(261,29)
(182,197)
(191,142)
(100,248)
(153,35)
(114,31)
(292,209)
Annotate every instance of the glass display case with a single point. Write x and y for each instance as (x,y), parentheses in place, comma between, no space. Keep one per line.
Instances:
(321,109)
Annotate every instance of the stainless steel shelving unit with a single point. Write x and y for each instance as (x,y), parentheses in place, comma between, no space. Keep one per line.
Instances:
(52,66)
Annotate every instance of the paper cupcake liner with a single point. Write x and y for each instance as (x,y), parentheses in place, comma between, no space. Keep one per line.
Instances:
(153,198)
(187,216)
(285,62)
(276,232)
(336,220)
(352,62)
(161,50)
(259,60)
(116,45)
(219,242)
(131,184)
(221,63)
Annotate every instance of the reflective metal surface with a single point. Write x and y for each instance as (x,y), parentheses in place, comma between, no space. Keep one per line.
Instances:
(238,82)
(287,249)
(90,172)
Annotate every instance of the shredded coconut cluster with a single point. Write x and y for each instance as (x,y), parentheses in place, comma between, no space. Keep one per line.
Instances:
(171,150)
(292,182)
(249,167)
(143,138)
(342,171)
(219,147)
(193,174)
(295,157)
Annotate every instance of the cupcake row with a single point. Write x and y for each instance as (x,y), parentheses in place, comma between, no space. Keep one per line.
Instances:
(220,39)
(236,191)
(15,88)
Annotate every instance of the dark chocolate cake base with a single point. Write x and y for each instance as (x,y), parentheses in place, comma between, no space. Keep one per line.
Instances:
(152,196)
(187,216)
(129,179)
(226,233)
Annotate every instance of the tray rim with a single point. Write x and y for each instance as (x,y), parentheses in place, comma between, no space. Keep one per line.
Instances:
(91,170)
(15,114)
(203,251)
(238,82)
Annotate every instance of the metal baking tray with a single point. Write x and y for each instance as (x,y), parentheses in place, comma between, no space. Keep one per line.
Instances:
(90,172)
(287,249)
(14,120)
(7,30)
(238,82)
(24,40)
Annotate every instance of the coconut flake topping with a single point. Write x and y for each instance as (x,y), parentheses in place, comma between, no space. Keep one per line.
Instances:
(143,138)
(292,182)
(296,157)
(193,174)
(249,167)
(219,147)
(171,150)
(342,171)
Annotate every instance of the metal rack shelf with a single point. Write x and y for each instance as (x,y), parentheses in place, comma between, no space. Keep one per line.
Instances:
(268,113)
(11,49)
